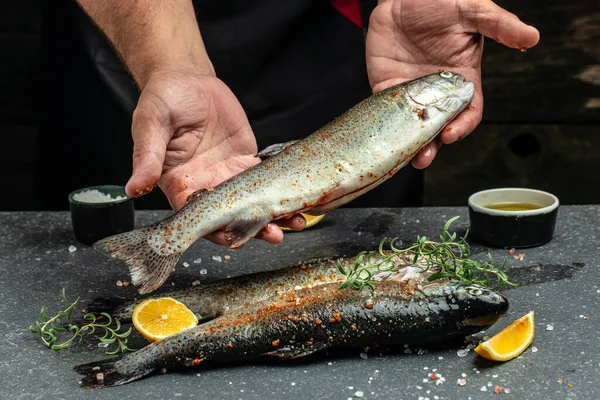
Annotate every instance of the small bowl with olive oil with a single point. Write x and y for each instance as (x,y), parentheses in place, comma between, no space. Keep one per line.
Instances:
(512,217)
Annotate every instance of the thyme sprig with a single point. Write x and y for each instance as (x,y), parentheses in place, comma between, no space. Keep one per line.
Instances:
(48,328)
(447,259)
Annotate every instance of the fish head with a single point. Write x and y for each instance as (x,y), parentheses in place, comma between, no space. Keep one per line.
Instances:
(440,97)
(478,307)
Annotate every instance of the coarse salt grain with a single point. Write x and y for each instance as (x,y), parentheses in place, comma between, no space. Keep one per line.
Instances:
(534,349)
(203,272)
(217,258)
(463,375)
(119,283)
(549,327)
(483,389)
(72,249)
(185,264)
(359,393)
(461,382)
(462,352)
(197,261)
(195,283)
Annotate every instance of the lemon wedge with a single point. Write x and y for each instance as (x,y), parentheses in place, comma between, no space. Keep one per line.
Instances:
(155,319)
(311,220)
(509,342)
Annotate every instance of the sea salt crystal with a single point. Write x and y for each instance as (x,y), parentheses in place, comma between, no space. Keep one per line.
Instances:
(195,283)
(489,384)
(534,349)
(425,380)
(330,363)
(203,272)
(95,196)
(102,344)
(217,258)
(461,382)
(119,283)
(440,358)
(293,383)
(364,356)
(483,389)
(359,393)
(197,261)
(462,352)
(72,249)
(185,264)
(549,327)
(463,375)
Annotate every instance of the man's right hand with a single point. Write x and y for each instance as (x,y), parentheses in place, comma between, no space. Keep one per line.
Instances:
(190,132)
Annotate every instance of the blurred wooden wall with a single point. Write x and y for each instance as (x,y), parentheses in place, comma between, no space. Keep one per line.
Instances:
(541,124)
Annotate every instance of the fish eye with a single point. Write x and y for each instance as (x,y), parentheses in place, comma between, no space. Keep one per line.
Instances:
(446,74)
(475,291)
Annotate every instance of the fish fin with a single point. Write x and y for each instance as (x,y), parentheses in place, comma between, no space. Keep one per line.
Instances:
(276,148)
(291,352)
(148,268)
(110,375)
(240,230)
(198,193)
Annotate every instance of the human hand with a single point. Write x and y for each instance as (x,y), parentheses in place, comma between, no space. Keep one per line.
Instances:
(411,38)
(190,132)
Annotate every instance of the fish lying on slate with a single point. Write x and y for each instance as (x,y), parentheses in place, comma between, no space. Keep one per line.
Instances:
(215,298)
(342,160)
(404,309)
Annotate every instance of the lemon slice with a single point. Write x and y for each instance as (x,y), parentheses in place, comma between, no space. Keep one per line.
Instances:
(156,319)
(311,220)
(509,342)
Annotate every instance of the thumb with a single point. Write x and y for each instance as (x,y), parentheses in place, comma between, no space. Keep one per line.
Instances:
(496,23)
(150,134)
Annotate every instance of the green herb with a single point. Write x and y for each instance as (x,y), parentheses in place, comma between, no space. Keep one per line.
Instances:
(448,259)
(48,328)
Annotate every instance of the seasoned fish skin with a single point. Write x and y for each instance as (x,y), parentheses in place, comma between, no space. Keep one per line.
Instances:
(295,325)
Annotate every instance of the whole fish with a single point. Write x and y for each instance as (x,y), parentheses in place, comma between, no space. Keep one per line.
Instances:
(401,311)
(342,160)
(216,298)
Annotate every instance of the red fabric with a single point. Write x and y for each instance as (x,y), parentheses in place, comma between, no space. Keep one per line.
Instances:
(350,9)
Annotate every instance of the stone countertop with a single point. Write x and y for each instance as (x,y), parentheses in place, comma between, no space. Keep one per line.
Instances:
(561,283)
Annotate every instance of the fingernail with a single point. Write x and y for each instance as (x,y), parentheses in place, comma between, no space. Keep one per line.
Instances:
(427,153)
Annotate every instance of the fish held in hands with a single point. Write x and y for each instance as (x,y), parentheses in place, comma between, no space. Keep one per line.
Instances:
(344,159)
(404,309)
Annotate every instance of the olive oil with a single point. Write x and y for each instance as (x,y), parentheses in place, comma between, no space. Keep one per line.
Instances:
(513,206)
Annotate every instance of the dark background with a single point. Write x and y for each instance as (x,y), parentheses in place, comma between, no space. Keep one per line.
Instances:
(541,124)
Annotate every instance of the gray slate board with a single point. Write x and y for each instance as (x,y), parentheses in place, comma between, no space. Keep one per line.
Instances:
(35,264)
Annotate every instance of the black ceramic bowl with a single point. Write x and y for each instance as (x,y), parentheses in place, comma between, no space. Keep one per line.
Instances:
(508,228)
(96,220)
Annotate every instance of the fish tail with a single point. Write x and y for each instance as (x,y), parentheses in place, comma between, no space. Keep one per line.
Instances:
(148,268)
(99,374)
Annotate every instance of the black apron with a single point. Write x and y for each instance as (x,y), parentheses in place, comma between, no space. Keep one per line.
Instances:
(294,65)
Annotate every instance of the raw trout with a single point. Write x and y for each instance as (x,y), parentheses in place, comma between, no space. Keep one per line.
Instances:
(216,298)
(345,158)
(291,325)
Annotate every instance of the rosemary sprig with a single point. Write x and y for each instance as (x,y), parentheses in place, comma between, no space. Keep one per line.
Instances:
(48,328)
(447,259)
